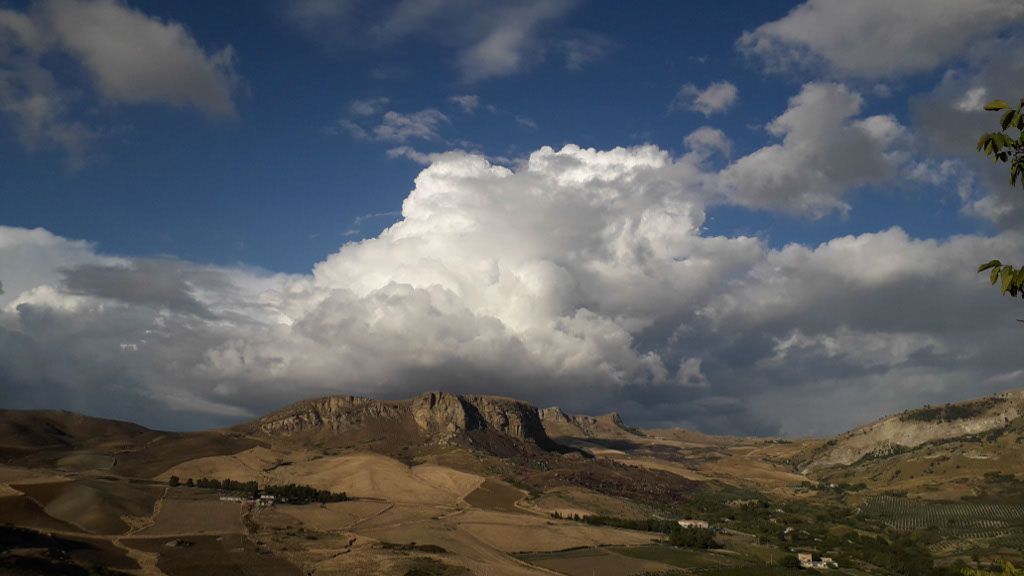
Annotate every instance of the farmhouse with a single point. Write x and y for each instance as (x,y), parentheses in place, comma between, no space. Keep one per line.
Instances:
(807,561)
(690,523)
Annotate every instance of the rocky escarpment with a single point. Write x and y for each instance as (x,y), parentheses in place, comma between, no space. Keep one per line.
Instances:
(914,428)
(436,417)
(559,424)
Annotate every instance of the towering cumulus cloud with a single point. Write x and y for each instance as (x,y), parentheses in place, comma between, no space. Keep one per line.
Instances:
(581,277)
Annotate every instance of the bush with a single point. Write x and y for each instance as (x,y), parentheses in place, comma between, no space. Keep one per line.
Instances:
(699,538)
(789,561)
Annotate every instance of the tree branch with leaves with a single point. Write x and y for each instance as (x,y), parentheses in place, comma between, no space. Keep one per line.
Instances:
(1002,147)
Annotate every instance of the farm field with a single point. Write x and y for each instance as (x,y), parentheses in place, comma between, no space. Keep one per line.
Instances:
(594,561)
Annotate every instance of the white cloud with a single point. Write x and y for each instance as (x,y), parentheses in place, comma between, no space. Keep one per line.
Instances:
(584,48)
(950,118)
(489,39)
(526,122)
(398,127)
(716,97)
(410,153)
(135,58)
(368,107)
(467,102)
(129,57)
(706,140)
(825,152)
(581,277)
(878,38)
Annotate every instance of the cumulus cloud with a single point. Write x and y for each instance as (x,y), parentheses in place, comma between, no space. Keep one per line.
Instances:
(581,277)
(129,57)
(877,39)
(825,152)
(716,97)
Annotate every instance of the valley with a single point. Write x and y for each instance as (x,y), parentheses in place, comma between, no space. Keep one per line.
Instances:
(449,484)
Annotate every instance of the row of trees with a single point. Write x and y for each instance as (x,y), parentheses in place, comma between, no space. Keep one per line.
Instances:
(700,538)
(291,493)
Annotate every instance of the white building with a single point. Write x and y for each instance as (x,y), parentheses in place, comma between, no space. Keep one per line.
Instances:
(689,523)
(807,561)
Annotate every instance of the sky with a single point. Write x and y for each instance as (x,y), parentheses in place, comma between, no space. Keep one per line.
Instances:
(735,216)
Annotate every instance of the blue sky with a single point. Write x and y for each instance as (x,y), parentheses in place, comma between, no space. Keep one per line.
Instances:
(270,144)
(269,188)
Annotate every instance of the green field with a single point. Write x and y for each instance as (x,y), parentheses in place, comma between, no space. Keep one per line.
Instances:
(680,557)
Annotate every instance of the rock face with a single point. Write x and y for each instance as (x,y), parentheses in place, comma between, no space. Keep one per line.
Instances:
(332,413)
(438,417)
(559,424)
(914,428)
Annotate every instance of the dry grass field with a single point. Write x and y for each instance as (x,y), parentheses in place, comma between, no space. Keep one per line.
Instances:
(93,505)
(181,516)
(495,495)
(213,556)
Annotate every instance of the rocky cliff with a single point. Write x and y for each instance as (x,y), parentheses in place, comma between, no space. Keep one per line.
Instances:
(559,424)
(437,417)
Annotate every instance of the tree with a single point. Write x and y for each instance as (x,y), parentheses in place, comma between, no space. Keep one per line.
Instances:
(789,561)
(1002,147)
(173,481)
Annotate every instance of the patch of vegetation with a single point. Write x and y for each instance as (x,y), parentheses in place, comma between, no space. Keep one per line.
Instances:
(646,525)
(952,412)
(431,567)
(675,556)
(412,546)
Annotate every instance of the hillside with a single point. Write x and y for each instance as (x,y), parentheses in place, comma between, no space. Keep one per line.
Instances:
(914,428)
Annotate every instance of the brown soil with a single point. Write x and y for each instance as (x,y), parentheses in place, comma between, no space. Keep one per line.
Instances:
(213,556)
(494,495)
(22,511)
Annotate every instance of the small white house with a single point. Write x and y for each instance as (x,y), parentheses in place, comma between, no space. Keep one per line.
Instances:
(690,523)
(807,561)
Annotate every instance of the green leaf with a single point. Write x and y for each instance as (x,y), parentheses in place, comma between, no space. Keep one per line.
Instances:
(1007,278)
(1007,119)
(996,105)
(989,264)
(994,276)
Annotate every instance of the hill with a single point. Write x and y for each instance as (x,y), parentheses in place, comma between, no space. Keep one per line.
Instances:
(915,428)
